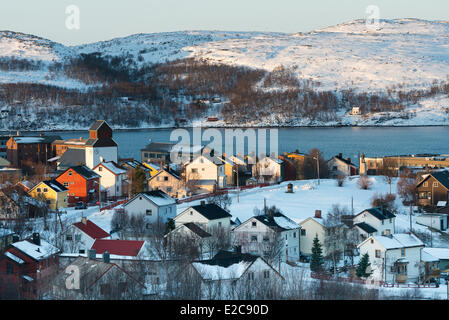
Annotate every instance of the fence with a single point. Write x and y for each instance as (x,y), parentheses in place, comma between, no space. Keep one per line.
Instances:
(329,277)
(113,205)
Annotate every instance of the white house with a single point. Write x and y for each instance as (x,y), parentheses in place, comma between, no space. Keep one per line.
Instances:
(155,206)
(80,236)
(269,169)
(433,220)
(228,275)
(269,235)
(310,228)
(375,221)
(205,168)
(338,166)
(100,146)
(395,258)
(113,178)
(190,232)
(207,216)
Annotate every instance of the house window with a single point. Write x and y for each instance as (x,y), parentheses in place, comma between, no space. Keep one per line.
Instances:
(45,190)
(250,275)
(38,189)
(165,178)
(169,189)
(286,236)
(9,268)
(70,173)
(68,237)
(266,239)
(425,184)
(254,224)
(194,170)
(253,238)
(219,224)
(266,274)
(191,213)
(435,184)
(77,237)
(377,253)
(303,232)
(66,184)
(402,252)
(100,168)
(294,234)
(149,212)
(402,269)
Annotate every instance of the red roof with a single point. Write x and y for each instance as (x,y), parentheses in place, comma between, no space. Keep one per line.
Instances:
(118,247)
(92,230)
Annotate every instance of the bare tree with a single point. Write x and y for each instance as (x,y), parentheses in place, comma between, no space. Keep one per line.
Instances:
(364,182)
(334,238)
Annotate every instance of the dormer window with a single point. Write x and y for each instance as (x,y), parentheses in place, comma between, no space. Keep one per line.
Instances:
(70,173)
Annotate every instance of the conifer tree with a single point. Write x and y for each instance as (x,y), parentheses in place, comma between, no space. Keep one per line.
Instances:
(363,265)
(316,263)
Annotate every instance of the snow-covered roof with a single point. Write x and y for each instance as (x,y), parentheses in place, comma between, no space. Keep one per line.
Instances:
(400,240)
(158,197)
(36,252)
(216,272)
(14,258)
(426,257)
(440,253)
(113,167)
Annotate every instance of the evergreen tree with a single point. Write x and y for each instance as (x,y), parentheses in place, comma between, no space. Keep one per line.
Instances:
(316,263)
(170,225)
(139,180)
(363,265)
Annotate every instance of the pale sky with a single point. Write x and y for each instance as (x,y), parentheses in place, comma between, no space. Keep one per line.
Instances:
(107,19)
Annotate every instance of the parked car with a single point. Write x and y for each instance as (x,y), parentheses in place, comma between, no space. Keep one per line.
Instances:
(80,206)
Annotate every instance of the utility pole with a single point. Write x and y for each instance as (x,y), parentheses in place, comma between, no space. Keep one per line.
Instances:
(317,168)
(411,229)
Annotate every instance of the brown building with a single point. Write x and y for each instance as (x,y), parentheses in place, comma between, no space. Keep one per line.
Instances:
(61,146)
(38,149)
(434,187)
(378,165)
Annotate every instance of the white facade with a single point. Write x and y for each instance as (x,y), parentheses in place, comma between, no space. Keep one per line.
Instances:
(257,238)
(310,228)
(268,169)
(191,215)
(383,227)
(394,259)
(111,181)
(202,168)
(77,241)
(141,205)
(99,154)
(435,221)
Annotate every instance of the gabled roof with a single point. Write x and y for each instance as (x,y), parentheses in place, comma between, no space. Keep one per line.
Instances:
(164,147)
(379,213)
(211,211)
(170,172)
(346,161)
(158,197)
(441,176)
(196,229)
(366,227)
(91,229)
(277,221)
(52,184)
(34,251)
(112,167)
(118,247)
(97,124)
(224,265)
(105,142)
(72,157)
(397,241)
(85,172)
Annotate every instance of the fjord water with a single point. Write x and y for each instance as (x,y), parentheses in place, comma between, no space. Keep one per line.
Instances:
(351,141)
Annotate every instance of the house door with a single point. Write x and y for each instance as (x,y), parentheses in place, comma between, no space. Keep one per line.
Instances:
(441,225)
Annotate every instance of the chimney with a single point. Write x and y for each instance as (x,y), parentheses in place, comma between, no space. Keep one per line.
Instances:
(84,220)
(92,254)
(106,257)
(340,155)
(224,155)
(349,160)
(318,214)
(203,203)
(36,239)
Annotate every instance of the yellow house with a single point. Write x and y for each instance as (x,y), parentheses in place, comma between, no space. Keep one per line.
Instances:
(54,193)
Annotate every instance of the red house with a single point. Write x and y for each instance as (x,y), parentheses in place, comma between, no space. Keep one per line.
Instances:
(82,182)
(26,268)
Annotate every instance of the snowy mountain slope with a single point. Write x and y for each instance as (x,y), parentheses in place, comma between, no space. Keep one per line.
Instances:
(25,46)
(162,47)
(409,51)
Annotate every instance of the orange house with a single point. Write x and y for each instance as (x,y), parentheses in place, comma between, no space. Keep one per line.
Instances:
(82,182)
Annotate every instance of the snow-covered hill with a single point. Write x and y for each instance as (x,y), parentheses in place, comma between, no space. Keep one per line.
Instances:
(402,54)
